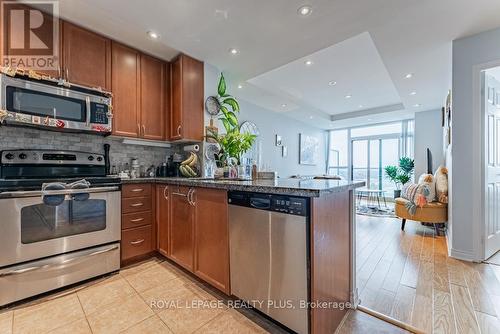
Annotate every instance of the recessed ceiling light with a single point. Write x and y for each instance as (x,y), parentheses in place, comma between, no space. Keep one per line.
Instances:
(240,86)
(361,106)
(283,105)
(413,93)
(304,10)
(409,76)
(153,35)
(233,51)
(348,96)
(308,62)
(332,83)
(417,105)
(311,117)
(369,119)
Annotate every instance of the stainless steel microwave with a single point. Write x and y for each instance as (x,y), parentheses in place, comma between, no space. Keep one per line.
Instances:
(49,105)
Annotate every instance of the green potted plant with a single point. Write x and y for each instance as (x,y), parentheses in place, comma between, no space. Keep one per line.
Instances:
(233,143)
(400,174)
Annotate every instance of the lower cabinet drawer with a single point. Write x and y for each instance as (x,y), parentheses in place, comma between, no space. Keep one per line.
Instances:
(131,220)
(136,204)
(136,241)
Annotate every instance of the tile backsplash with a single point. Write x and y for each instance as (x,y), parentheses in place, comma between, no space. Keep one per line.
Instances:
(27,138)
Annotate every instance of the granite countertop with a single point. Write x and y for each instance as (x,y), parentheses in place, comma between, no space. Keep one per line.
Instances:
(294,187)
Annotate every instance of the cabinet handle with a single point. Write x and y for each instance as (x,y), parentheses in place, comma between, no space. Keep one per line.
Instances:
(137,242)
(179,128)
(165,190)
(138,129)
(67,74)
(136,220)
(143,129)
(137,204)
(136,190)
(180,194)
(190,197)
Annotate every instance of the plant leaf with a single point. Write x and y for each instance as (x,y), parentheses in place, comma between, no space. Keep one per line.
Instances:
(227,125)
(221,89)
(224,110)
(231,117)
(233,103)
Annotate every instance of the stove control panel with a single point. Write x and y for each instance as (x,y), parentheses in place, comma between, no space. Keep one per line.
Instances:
(49,157)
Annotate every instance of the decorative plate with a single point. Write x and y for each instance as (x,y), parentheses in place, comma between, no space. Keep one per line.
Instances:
(212,105)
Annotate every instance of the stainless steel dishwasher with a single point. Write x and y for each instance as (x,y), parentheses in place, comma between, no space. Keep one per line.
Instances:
(269,255)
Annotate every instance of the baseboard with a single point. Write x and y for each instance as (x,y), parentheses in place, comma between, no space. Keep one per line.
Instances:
(461,255)
(448,243)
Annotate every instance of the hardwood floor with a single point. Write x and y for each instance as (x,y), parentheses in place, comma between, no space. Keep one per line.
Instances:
(358,322)
(408,276)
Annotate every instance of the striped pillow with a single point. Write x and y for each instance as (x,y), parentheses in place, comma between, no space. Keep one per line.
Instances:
(416,194)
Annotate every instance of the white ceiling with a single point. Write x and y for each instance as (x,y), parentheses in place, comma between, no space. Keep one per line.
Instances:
(393,37)
(354,65)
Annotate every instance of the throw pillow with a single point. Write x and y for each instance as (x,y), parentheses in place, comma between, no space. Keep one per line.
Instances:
(429,180)
(441,179)
(416,194)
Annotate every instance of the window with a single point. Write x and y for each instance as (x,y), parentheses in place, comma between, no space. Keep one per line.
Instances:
(338,155)
(362,153)
(377,130)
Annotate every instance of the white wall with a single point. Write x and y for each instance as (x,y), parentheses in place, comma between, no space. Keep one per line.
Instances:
(271,123)
(428,134)
(466,196)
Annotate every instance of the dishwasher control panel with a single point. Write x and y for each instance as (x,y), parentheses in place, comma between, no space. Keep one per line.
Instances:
(278,203)
(291,205)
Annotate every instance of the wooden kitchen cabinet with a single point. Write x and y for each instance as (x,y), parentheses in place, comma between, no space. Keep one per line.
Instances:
(181,226)
(211,231)
(86,57)
(138,83)
(136,242)
(138,227)
(153,82)
(186,116)
(163,218)
(125,85)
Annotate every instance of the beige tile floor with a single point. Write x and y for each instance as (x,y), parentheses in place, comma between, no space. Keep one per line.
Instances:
(128,302)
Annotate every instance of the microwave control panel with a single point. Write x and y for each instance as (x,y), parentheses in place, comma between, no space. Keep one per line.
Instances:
(98,113)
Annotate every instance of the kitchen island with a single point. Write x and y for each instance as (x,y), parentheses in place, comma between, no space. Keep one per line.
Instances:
(191,228)
(292,186)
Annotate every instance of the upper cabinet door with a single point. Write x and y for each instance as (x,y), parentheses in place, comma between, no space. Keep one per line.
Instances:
(186,120)
(193,98)
(125,85)
(176,102)
(86,57)
(152,98)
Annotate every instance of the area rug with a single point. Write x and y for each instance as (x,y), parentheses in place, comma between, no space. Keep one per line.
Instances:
(375,211)
(495,259)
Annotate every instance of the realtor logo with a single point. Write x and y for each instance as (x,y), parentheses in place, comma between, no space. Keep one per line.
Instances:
(30,35)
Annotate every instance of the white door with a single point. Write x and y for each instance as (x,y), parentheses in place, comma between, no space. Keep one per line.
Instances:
(491,105)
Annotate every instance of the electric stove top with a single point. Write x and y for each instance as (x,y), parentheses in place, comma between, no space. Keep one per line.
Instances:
(29,169)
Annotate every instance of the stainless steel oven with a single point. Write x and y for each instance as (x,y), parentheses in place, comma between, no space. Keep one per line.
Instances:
(60,221)
(32,229)
(37,103)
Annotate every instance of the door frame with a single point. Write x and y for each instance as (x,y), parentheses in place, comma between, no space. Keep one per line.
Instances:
(479,172)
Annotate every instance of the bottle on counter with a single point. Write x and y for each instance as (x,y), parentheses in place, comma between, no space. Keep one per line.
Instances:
(254,172)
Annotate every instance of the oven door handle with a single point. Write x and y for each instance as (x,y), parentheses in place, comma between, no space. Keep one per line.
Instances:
(35,193)
(62,263)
